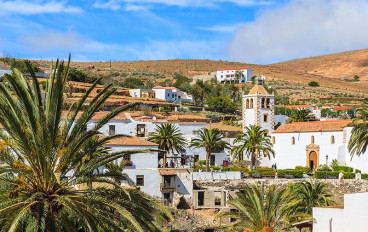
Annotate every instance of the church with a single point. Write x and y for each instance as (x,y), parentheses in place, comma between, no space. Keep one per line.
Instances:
(308,144)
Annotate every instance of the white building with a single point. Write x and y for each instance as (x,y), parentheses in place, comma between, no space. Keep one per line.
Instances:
(229,74)
(171,94)
(350,217)
(300,143)
(146,93)
(4,70)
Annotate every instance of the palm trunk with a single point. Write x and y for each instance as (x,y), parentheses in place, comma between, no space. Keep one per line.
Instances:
(164,164)
(208,161)
(253,160)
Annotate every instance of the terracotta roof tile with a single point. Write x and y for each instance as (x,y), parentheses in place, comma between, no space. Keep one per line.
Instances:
(336,108)
(98,115)
(333,125)
(233,68)
(130,141)
(258,89)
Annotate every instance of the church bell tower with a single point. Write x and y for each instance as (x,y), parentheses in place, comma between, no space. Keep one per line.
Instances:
(258,107)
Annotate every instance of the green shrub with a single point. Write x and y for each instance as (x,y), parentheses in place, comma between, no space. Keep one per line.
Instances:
(338,168)
(364,176)
(313,84)
(322,174)
(201,162)
(358,171)
(324,168)
(305,170)
(294,172)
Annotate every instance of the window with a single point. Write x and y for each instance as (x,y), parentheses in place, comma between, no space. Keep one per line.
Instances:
(263,105)
(247,104)
(217,198)
(140,180)
(126,158)
(196,157)
(168,95)
(312,139)
(268,103)
(265,118)
(141,130)
(251,103)
(200,198)
(292,140)
(111,129)
(332,139)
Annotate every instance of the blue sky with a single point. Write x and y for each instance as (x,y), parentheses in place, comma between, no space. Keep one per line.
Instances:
(252,31)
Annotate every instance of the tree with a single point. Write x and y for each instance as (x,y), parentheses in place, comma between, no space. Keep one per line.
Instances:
(302,115)
(211,140)
(254,141)
(238,76)
(45,156)
(309,195)
(132,83)
(313,84)
(169,138)
(358,142)
(356,78)
(224,104)
(261,210)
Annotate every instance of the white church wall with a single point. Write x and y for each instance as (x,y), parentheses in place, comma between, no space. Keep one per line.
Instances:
(289,156)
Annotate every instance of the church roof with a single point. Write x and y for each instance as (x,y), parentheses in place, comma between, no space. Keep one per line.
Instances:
(258,89)
(333,125)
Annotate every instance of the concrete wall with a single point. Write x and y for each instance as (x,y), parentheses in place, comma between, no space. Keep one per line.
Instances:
(152,181)
(328,219)
(352,217)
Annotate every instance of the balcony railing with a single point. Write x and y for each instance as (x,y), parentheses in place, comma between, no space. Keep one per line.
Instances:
(167,188)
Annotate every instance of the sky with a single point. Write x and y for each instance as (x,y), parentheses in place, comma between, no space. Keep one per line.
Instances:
(251,31)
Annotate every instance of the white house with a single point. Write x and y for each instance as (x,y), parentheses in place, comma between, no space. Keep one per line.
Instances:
(171,94)
(4,70)
(229,74)
(350,217)
(146,93)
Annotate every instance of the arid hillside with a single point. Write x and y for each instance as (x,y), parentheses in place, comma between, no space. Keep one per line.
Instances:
(342,65)
(333,72)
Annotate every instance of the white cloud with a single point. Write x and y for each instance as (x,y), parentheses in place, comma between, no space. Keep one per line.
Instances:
(302,28)
(52,40)
(35,7)
(159,50)
(133,7)
(116,4)
(222,28)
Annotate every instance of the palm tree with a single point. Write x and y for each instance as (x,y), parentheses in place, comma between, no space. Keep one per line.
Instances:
(254,141)
(211,140)
(258,210)
(168,138)
(309,195)
(358,142)
(302,115)
(238,75)
(48,161)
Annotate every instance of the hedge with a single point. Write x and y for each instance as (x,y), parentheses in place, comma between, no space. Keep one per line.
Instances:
(322,174)
(305,170)
(217,168)
(364,176)
(338,168)
(296,173)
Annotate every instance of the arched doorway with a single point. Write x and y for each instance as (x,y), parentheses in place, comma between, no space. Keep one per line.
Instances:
(313,160)
(312,156)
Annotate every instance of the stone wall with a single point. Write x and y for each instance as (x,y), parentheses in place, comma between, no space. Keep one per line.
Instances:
(337,187)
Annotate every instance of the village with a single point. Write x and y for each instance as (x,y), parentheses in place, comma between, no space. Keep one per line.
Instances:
(315,148)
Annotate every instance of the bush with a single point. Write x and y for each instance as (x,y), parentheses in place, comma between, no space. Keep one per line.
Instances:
(324,168)
(358,171)
(294,172)
(305,170)
(338,168)
(201,162)
(364,176)
(313,84)
(322,174)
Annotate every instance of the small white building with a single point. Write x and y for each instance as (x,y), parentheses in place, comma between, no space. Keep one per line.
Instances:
(171,94)
(4,70)
(350,217)
(146,93)
(229,74)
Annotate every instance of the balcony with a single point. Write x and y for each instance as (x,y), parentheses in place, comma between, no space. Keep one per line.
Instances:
(167,188)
